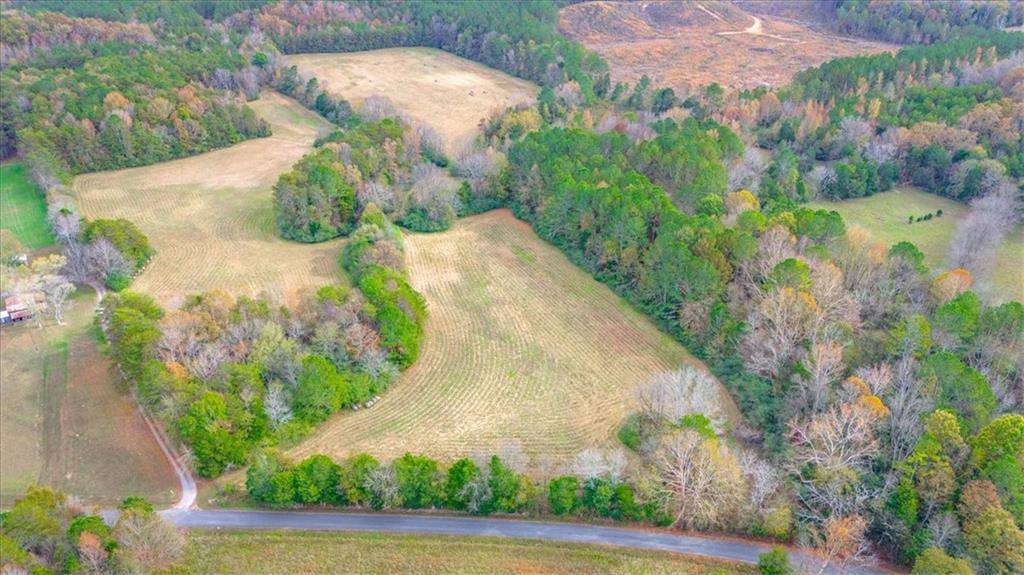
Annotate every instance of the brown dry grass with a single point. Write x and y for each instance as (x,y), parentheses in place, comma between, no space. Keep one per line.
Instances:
(447,92)
(686,45)
(210,217)
(65,423)
(522,347)
(314,552)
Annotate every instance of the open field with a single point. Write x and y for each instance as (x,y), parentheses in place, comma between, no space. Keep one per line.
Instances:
(686,45)
(65,423)
(314,552)
(210,217)
(23,207)
(522,348)
(885,215)
(440,89)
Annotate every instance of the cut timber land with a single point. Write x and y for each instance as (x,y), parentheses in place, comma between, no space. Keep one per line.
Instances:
(686,45)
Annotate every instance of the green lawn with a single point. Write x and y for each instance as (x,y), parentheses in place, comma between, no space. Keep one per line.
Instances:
(885,215)
(317,552)
(23,207)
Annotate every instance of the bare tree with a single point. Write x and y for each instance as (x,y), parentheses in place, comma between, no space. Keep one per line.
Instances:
(832,451)
(814,392)
(978,236)
(276,404)
(382,484)
(594,463)
(703,478)
(783,320)
(841,543)
(147,543)
(668,396)
(57,289)
(377,193)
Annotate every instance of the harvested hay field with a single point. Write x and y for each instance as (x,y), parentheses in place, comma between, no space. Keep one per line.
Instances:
(686,45)
(210,217)
(65,423)
(885,215)
(434,87)
(523,349)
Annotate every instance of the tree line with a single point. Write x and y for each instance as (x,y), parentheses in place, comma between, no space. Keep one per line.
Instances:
(520,38)
(229,375)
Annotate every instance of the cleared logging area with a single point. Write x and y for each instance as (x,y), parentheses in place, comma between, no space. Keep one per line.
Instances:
(885,215)
(210,217)
(523,349)
(311,552)
(447,92)
(64,422)
(687,45)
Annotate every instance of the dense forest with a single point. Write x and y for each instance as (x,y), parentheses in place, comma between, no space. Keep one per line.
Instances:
(923,22)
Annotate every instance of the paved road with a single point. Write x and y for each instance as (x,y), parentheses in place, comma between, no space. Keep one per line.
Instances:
(440,525)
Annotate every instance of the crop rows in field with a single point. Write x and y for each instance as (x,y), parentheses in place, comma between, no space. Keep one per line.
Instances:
(210,217)
(522,349)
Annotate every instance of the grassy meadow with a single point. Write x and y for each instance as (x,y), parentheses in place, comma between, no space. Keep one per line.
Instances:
(211,217)
(451,94)
(522,348)
(885,216)
(65,422)
(23,207)
(316,552)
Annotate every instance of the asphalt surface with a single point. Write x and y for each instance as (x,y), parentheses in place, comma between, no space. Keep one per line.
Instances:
(735,550)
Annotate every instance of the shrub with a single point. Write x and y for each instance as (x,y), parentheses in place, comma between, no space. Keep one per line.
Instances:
(419,481)
(629,434)
(774,562)
(562,494)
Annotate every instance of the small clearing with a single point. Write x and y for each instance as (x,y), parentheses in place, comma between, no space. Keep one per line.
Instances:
(885,216)
(430,86)
(64,421)
(523,350)
(686,45)
(23,207)
(211,217)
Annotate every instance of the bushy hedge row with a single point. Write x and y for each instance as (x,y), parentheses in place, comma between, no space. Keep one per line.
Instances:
(419,482)
(373,257)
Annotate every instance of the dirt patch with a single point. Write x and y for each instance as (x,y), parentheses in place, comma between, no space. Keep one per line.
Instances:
(449,93)
(690,44)
(522,348)
(210,217)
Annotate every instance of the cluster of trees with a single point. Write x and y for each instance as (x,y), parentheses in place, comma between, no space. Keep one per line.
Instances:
(374,259)
(313,202)
(942,117)
(520,38)
(309,91)
(836,347)
(231,375)
(378,158)
(408,482)
(47,531)
(923,22)
(94,95)
(925,218)
(688,477)
(23,36)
